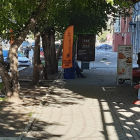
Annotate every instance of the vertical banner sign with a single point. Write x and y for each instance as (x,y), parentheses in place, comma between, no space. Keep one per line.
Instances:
(124,62)
(67,47)
(11,40)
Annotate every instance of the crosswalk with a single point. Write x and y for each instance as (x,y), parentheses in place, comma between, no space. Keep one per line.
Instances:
(19,69)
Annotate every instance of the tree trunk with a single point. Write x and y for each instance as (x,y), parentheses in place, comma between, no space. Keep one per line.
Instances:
(6,80)
(36,57)
(46,53)
(54,63)
(14,48)
(59,52)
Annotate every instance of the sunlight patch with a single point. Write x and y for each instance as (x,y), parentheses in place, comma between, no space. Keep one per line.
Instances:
(126,127)
(121,118)
(105,105)
(126,114)
(130,123)
(135,109)
(129,135)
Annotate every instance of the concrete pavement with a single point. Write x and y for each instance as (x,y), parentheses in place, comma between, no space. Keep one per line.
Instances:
(91,108)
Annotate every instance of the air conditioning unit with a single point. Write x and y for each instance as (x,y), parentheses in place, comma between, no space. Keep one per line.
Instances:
(122,34)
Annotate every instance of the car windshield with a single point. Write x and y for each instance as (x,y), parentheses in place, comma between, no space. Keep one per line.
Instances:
(20,54)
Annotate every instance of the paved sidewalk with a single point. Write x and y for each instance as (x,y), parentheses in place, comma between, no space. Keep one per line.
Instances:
(91,108)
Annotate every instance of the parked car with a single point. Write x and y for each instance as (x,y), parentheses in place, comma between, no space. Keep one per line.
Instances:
(32,45)
(22,60)
(104,46)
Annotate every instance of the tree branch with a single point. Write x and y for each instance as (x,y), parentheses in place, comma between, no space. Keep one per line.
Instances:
(31,22)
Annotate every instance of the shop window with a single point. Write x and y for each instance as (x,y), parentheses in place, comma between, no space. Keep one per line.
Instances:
(117,25)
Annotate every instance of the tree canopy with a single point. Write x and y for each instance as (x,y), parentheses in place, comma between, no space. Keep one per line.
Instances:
(15,15)
(86,16)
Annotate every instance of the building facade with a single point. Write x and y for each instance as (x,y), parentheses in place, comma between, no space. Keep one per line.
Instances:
(134,27)
(121,33)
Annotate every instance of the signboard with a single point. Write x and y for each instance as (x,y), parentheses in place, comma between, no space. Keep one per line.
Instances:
(124,62)
(67,47)
(86,47)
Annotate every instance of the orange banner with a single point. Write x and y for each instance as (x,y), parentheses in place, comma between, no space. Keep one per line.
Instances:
(67,47)
(11,40)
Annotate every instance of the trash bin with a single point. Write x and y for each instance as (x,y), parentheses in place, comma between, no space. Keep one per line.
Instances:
(85,64)
(69,73)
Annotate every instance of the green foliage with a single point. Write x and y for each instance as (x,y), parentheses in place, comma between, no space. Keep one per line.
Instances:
(87,16)
(3,99)
(104,59)
(14,15)
(30,114)
(102,36)
(123,3)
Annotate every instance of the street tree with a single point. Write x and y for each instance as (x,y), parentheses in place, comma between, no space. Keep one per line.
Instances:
(19,16)
(86,16)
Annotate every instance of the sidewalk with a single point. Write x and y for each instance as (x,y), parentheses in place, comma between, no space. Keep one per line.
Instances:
(91,108)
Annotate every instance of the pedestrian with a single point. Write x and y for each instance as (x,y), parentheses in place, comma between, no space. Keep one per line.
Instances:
(78,70)
(138,61)
(26,52)
(138,100)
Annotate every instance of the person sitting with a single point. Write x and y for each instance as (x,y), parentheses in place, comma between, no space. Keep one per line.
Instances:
(78,71)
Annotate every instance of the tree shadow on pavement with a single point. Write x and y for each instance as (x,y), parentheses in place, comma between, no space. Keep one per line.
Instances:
(38,130)
(63,97)
(13,119)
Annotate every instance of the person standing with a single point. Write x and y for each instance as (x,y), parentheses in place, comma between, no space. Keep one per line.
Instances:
(26,52)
